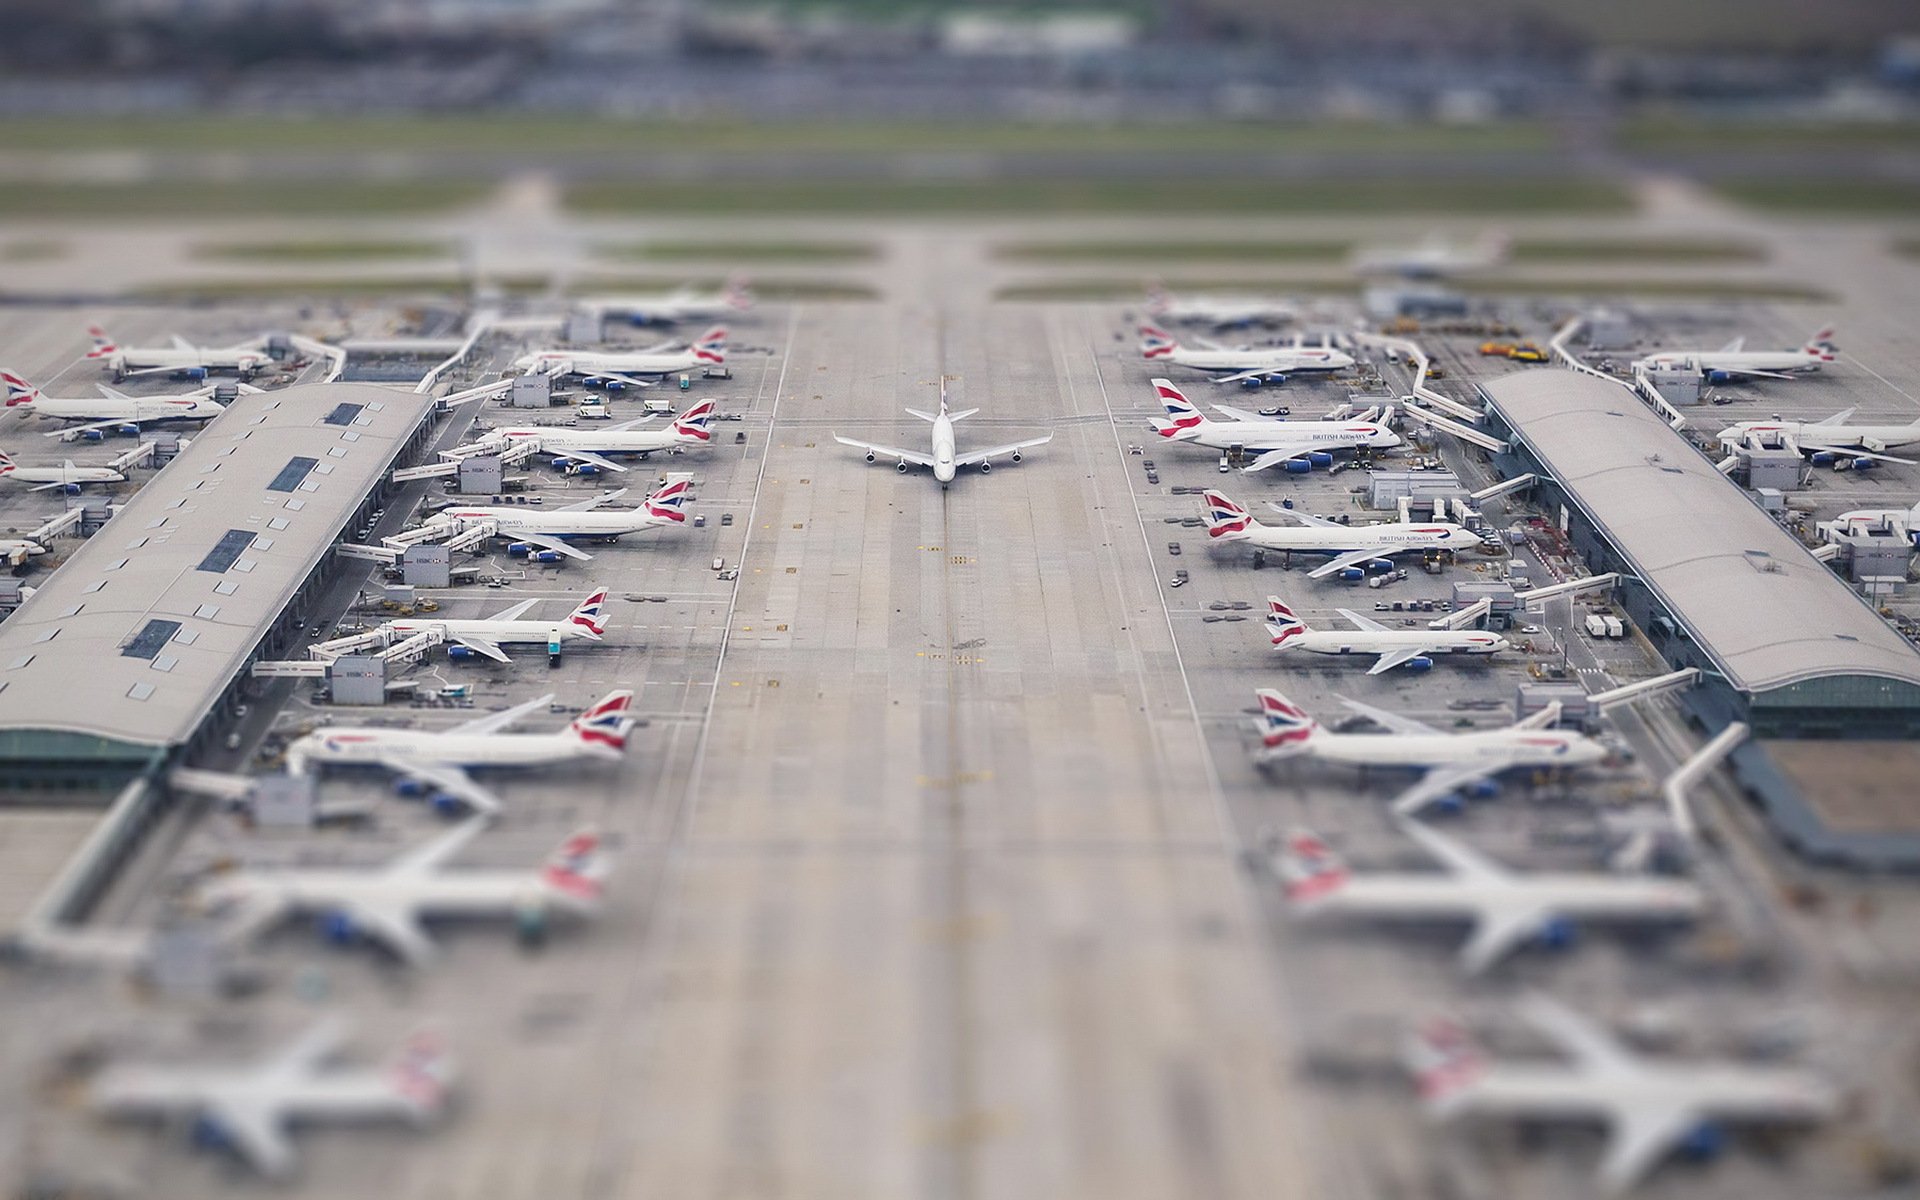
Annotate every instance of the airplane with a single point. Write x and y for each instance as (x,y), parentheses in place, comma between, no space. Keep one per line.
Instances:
(1296,446)
(486,635)
(1242,365)
(1356,549)
(110,409)
(437,760)
(1220,312)
(1449,762)
(16,551)
(1433,258)
(248,1108)
(625,366)
(585,445)
(1650,1107)
(548,532)
(686,303)
(1410,648)
(1825,440)
(1731,360)
(944,460)
(183,358)
(66,475)
(1503,908)
(1900,522)
(387,904)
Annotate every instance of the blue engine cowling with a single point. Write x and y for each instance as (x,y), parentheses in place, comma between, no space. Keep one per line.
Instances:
(1483,789)
(1319,458)
(545,556)
(412,789)
(446,805)
(338,928)
(1864,464)
(1380,566)
(1704,1141)
(519,549)
(128,430)
(1557,933)
(70,489)
(615,385)
(94,435)
(586,469)
(195,373)
(1449,805)
(1719,376)
(1352,574)
(209,1134)
(1419,663)
(561,464)
(1297,466)
(1252,383)
(1824,458)
(461,653)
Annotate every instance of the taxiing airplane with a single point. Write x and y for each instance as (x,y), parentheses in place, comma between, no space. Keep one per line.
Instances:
(182,358)
(110,409)
(1449,762)
(66,475)
(1218,312)
(1731,361)
(1503,908)
(1650,1107)
(629,366)
(249,1107)
(590,445)
(944,459)
(1433,258)
(438,760)
(389,904)
(686,303)
(550,532)
(486,635)
(1824,440)
(1295,446)
(1410,648)
(1355,549)
(1243,364)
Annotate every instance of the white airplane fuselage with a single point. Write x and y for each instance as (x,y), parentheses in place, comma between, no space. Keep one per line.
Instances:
(594,362)
(63,475)
(1280,360)
(607,523)
(106,408)
(1499,748)
(1387,537)
(1222,311)
(127,360)
(505,633)
(370,745)
(617,441)
(439,892)
(1572,894)
(1288,435)
(1722,1090)
(1705,361)
(943,454)
(1368,641)
(1869,437)
(666,308)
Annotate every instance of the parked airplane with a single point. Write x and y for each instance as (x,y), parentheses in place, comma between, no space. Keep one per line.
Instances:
(686,303)
(1824,440)
(1900,522)
(1296,446)
(1219,312)
(1433,258)
(66,475)
(944,460)
(389,904)
(1504,909)
(438,760)
(1356,549)
(486,635)
(627,366)
(16,551)
(1410,648)
(551,531)
(1449,762)
(182,358)
(110,409)
(1650,1107)
(1732,361)
(1241,365)
(589,445)
(249,1107)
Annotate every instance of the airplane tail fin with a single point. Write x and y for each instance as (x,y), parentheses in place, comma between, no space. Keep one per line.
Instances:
(1226,520)
(1820,345)
(1182,416)
(6,463)
(422,1072)
(1308,868)
(669,502)
(1156,342)
(1284,726)
(712,346)
(19,391)
(692,424)
(577,869)
(1281,622)
(606,723)
(102,342)
(1441,1056)
(589,620)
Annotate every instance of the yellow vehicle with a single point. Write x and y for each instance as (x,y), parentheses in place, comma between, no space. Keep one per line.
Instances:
(1496,349)
(1527,353)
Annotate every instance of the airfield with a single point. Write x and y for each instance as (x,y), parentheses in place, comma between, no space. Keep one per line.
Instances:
(933,853)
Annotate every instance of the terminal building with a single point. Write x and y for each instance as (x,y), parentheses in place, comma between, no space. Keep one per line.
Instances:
(135,651)
(1783,643)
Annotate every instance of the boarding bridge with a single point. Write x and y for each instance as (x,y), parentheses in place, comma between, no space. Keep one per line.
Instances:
(1465,617)
(139,454)
(1508,487)
(66,519)
(1640,690)
(1456,429)
(267,669)
(519,452)
(385,643)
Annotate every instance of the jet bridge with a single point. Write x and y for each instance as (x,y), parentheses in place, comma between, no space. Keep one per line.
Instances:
(385,643)
(1464,617)
(1455,429)
(139,454)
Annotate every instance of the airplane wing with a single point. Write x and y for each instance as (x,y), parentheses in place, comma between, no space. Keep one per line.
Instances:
(495,722)
(1396,658)
(112,393)
(1809,447)
(588,456)
(1590,1046)
(1274,458)
(480,645)
(1360,622)
(556,544)
(1303,516)
(629,380)
(1436,783)
(180,343)
(1340,562)
(596,502)
(623,426)
(41,487)
(425,859)
(1238,414)
(1462,861)
(117,421)
(1393,721)
(394,926)
(253,1126)
(1255,373)
(912,456)
(974,456)
(451,780)
(1205,343)
(1754,372)
(1640,1136)
(1839,418)
(1497,931)
(514,612)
